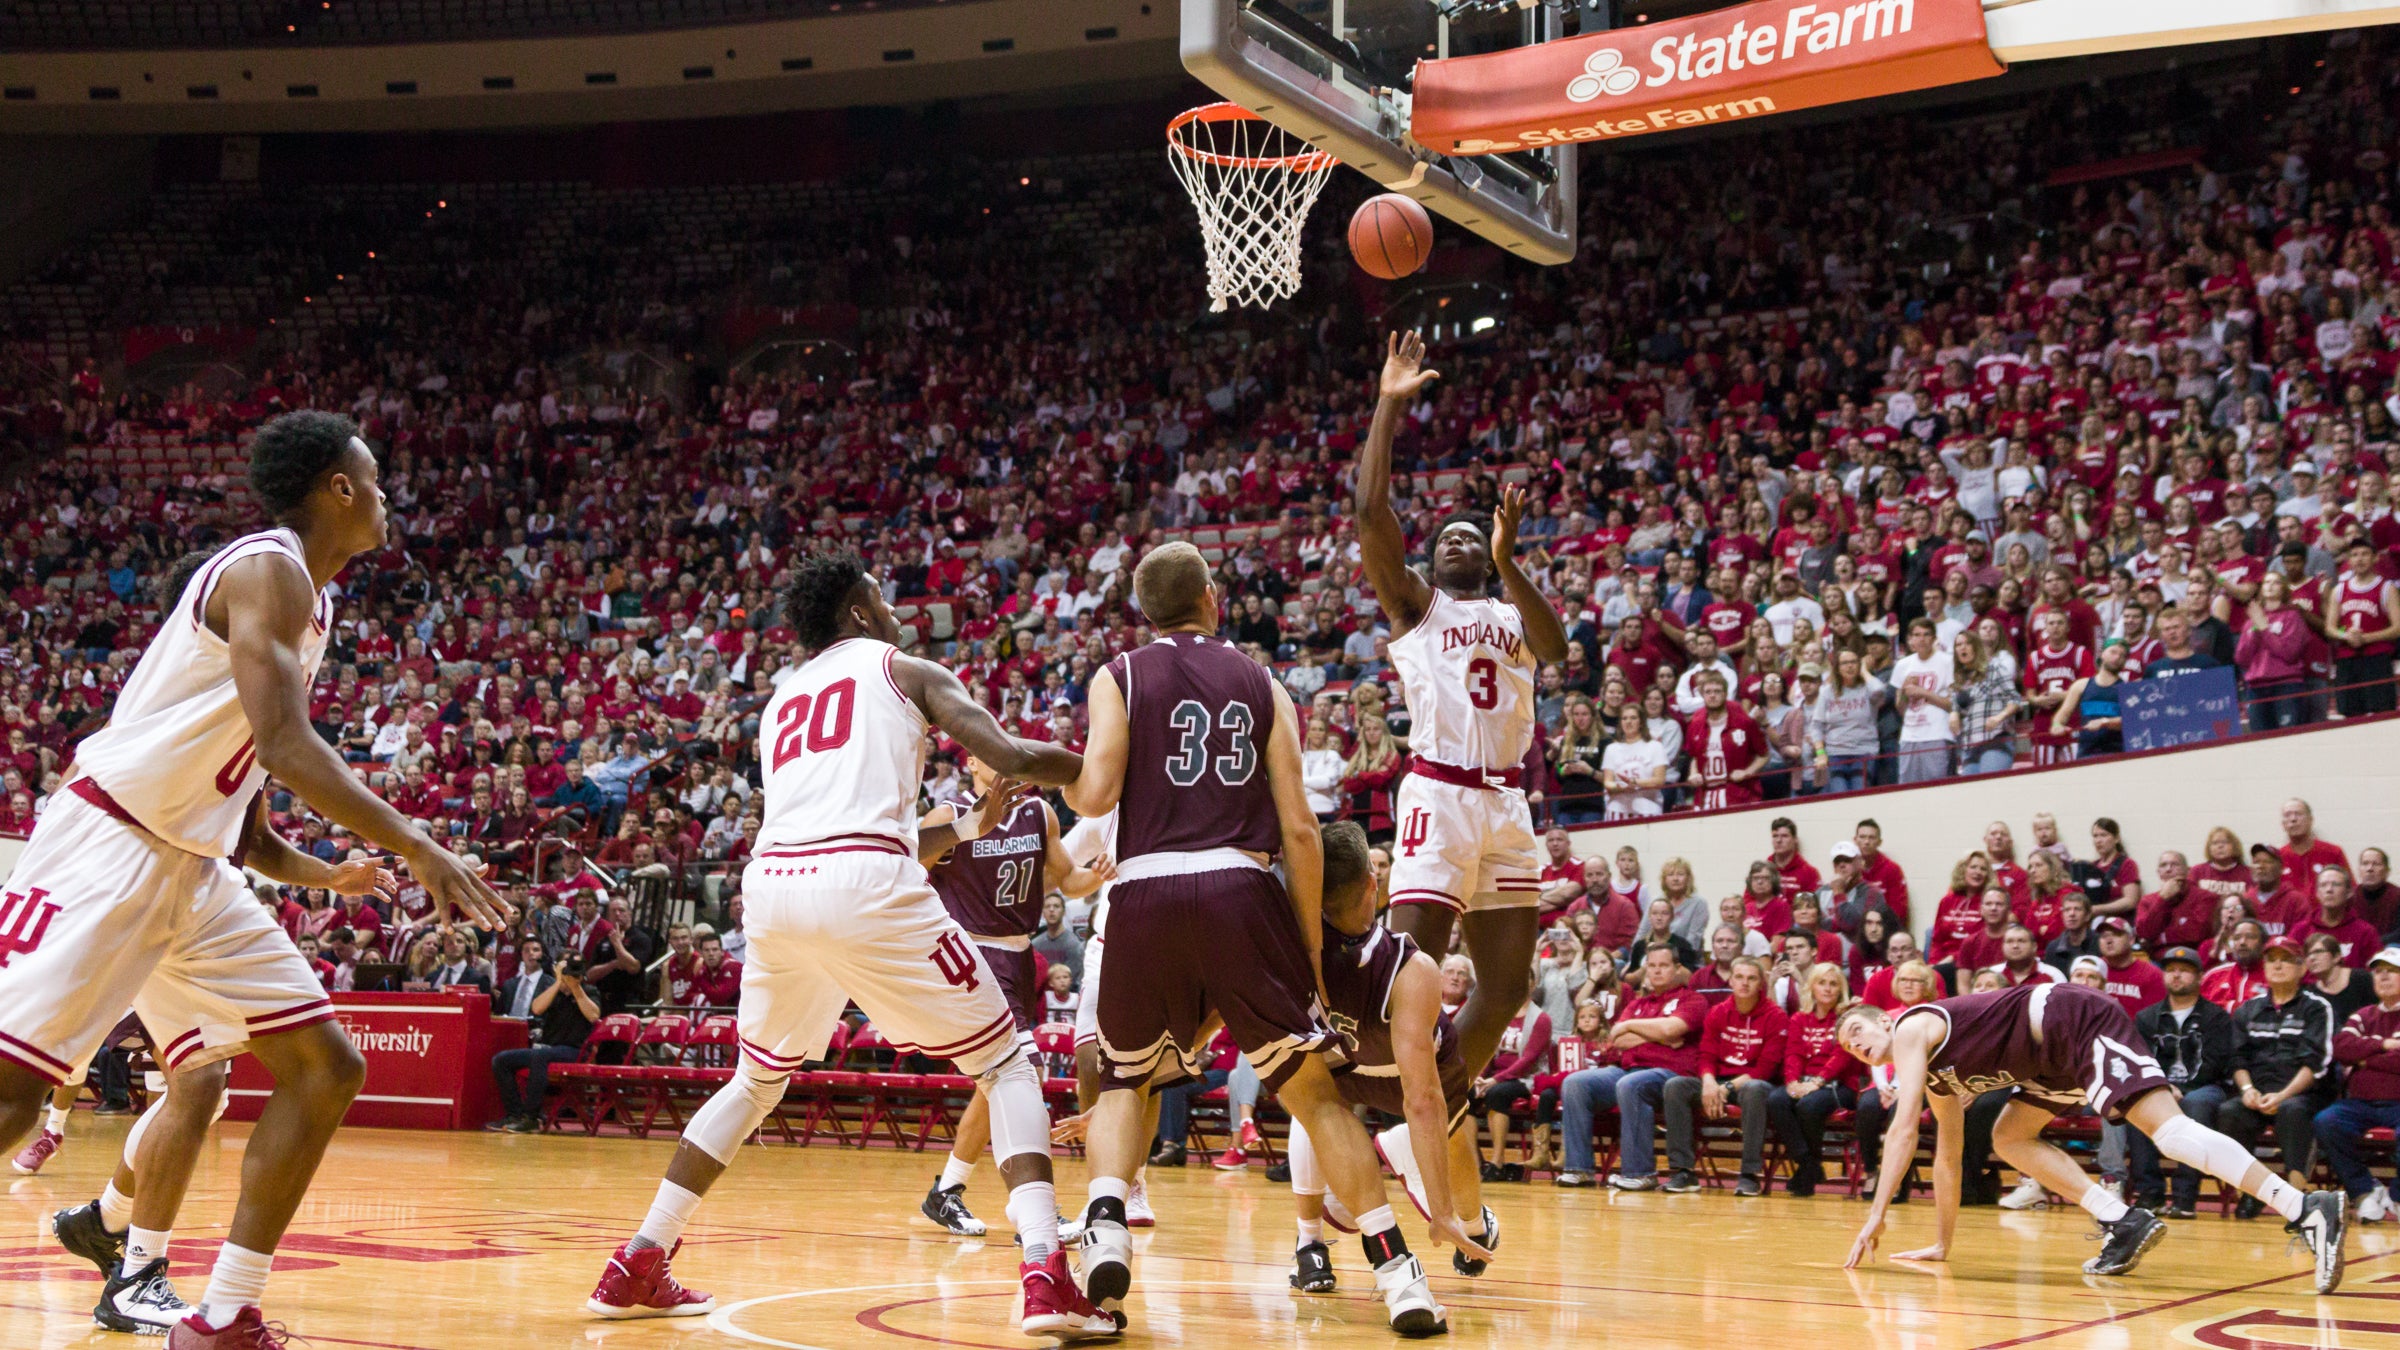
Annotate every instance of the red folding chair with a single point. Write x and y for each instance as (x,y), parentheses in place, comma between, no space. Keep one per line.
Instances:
(882,1088)
(824,1088)
(657,1056)
(585,1080)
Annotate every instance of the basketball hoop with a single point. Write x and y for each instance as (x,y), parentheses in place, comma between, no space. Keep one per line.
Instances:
(1253,183)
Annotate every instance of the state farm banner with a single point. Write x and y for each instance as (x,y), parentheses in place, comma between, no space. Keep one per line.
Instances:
(1728,65)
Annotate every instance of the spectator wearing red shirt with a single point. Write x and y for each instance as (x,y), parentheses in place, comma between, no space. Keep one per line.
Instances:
(2047,886)
(1765,909)
(2304,854)
(1795,870)
(1657,1040)
(2021,959)
(1728,749)
(1891,990)
(362,919)
(2334,919)
(1959,913)
(1879,869)
(2278,900)
(718,981)
(2131,980)
(1819,1079)
(2375,898)
(1982,948)
(2177,914)
(2369,1043)
(1523,1054)
(2240,977)
(1742,1045)
(1561,878)
(1615,917)
(2221,871)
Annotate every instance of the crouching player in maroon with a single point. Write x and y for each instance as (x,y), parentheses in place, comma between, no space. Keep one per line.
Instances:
(1199,752)
(994,886)
(1384,996)
(2060,1046)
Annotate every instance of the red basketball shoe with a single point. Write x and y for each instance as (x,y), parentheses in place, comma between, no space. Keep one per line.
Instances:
(637,1284)
(1054,1307)
(44,1147)
(247,1331)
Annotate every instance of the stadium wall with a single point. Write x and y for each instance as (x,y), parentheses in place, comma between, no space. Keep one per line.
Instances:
(55,190)
(2349,772)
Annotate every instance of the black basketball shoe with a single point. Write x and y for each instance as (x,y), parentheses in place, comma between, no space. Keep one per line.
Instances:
(80,1231)
(948,1210)
(1312,1269)
(2124,1241)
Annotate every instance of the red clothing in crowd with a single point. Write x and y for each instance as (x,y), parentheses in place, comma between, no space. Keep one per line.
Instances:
(2374,1071)
(1769,918)
(2231,985)
(1797,874)
(721,987)
(1881,870)
(2358,937)
(2183,920)
(1810,1051)
(2136,984)
(2287,909)
(2301,866)
(1679,1056)
(1571,1055)
(1978,949)
(1735,1044)
(1956,917)
(1524,1049)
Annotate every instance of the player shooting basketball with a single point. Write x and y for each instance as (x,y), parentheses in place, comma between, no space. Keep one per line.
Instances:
(1467,661)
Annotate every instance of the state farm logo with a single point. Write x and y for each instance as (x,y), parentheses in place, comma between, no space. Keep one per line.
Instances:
(1604,72)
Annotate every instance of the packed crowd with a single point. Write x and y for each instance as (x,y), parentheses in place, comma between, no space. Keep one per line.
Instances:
(1884,523)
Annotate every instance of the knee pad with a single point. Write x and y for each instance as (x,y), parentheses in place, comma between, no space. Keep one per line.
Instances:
(727,1118)
(1307,1178)
(1020,1119)
(2189,1142)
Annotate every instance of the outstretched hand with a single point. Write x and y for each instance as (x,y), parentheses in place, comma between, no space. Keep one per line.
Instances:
(1504,523)
(364,876)
(1449,1229)
(1864,1247)
(1403,375)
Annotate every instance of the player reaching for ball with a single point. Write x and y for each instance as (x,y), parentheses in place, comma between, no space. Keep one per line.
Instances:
(1464,844)
(2058,1046)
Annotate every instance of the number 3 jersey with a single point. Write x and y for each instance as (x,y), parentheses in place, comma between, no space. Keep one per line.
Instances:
(993,885)
(842,751)
(1468,679)
(177,753)
(1197,715)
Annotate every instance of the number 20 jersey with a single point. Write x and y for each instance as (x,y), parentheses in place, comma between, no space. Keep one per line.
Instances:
(1197,716)
(177,752)
(841,750)
(1468,679)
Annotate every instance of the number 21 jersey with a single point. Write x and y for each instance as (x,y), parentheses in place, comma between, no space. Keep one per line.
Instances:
(842,751)
(1468,678)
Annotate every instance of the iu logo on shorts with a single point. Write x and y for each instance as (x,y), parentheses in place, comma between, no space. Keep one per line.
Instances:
(955,961)
(24,920)
(1415,827)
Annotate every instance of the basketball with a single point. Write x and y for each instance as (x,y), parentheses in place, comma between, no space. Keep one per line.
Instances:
(1391,236)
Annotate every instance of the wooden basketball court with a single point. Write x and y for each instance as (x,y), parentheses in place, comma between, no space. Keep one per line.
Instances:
(420,1241)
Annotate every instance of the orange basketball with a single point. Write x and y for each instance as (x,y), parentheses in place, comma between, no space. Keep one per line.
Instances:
(1391,236)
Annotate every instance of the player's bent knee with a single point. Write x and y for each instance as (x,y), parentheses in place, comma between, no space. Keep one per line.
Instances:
(1020,1119)
(727,1118)
(2189,1142)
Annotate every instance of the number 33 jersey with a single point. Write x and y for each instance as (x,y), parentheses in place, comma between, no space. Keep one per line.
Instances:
(1468,680)
(842,751)
(1197,717)
(177,752)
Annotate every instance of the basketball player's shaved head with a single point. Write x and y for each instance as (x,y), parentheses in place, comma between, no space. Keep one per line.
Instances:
(1171,585)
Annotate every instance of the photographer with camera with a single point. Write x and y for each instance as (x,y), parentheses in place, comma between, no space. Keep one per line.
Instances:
(563,1013)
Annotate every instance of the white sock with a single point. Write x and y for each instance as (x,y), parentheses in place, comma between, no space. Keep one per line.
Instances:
(2281,1196)
(1377,1221)
(955,1173)
(1108,1188)
(239,1281)
(58,1119)
(1311,1230)
(116,1208)
(1033,1208)
(144,1245)
(663,1226)
(2098,1203)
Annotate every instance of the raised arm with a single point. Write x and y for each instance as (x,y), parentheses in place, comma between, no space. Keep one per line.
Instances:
(1545,636)
(1095,791)
(263,606)
(947,705)
(1303,845)
(1383,547)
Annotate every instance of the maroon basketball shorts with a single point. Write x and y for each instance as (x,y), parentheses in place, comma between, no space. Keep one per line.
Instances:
(1185,944)
(2089,1040)
(1013,968)
(1378,1087)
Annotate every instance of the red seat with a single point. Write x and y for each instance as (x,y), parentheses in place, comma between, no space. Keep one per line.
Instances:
(585,1081)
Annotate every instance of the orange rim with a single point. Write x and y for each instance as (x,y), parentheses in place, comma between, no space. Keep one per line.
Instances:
(1307,161)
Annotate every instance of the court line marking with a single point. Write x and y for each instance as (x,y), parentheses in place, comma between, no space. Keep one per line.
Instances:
(2116,1318)
(332,1340)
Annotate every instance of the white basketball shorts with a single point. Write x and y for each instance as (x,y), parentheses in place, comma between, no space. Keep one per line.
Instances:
(99,916)
(1465,847)
(860,922)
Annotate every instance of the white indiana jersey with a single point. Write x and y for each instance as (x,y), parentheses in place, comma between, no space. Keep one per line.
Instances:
(177,752)
(843,751)
(1468,678)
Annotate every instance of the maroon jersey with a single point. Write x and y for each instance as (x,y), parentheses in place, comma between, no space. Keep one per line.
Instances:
(1198,714)
(2085,1051)
(993,885)
(1358,989)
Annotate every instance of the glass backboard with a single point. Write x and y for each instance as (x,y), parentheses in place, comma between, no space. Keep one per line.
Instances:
(1338,72)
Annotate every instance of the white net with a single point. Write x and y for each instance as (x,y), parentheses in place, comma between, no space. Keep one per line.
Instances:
(1253,183)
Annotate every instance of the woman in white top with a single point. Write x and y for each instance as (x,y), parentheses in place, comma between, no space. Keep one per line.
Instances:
(1633,770)
(1322,768)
